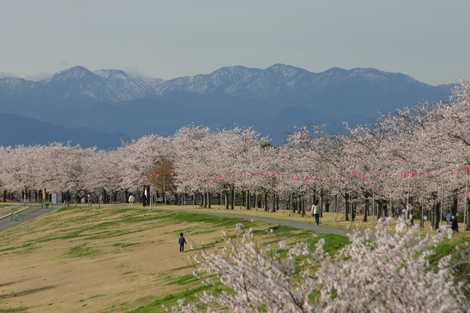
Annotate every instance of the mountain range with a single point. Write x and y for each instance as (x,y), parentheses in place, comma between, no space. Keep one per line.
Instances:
(17,130)
(112,104)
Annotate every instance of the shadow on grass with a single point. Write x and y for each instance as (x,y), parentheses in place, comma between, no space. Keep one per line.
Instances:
(81,251)
(159,304)
(14,310)
(24,292)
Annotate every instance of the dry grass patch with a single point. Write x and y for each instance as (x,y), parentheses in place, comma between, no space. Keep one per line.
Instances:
(98,260)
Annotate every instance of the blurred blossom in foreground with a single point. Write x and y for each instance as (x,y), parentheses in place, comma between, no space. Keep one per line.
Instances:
(382,271)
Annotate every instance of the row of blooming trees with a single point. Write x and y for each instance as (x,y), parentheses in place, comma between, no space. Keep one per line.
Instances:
(417,159)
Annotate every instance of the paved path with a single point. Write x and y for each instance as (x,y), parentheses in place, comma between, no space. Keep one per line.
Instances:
(270,220)
(32,213)
(23,216)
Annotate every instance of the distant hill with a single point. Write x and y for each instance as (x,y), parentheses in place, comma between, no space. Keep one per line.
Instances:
(273,100)
(18,130)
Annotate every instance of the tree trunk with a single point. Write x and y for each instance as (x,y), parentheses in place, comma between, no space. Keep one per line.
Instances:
(467,214)
(336,203)
(273,198)
(366,207)
(379,208)
(436,214)
(327,202)
(353,209)
(302,204)
(421,218)
(256,201)
(266,207)
(453,209)
(321,202)
(232,197)
(297,208)
(346,204)
(226,198)
(412,215)
(43,195)
(247,202)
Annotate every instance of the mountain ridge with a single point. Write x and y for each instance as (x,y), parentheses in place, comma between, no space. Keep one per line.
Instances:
(236,71)
(28,131)
(273,100)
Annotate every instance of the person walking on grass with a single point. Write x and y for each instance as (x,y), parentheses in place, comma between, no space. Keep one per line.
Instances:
(316,212)
(181,242)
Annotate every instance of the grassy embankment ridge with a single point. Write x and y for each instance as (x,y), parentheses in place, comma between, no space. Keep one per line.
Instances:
(114,259)
(125,259)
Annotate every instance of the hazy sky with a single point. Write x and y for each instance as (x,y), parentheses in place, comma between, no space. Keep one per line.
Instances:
(428,39)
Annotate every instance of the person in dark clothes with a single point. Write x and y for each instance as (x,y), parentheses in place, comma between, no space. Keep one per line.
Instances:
(449,218)
(182,242)
(454,223)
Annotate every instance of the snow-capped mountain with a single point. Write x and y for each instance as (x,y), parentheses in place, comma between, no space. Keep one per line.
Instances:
(279,78)
(117,85)
(101,85)
(78,82)
(127,87)
(272,100)
(239,80)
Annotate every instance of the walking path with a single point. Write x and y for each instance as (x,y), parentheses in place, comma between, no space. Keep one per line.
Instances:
(31,213)
(22,216)
(295,224)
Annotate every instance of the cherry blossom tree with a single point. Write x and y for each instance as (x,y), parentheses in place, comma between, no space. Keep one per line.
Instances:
(387,271)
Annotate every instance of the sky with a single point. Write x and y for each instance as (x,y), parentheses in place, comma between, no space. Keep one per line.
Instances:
(427,39)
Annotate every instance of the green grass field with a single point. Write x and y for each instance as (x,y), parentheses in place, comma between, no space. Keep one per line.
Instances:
(331,219)
(115,259)
(125,259)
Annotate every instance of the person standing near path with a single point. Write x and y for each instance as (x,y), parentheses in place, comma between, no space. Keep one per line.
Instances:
(316,213)
(131,199)
(454,224)
(449,219)
(181,242)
